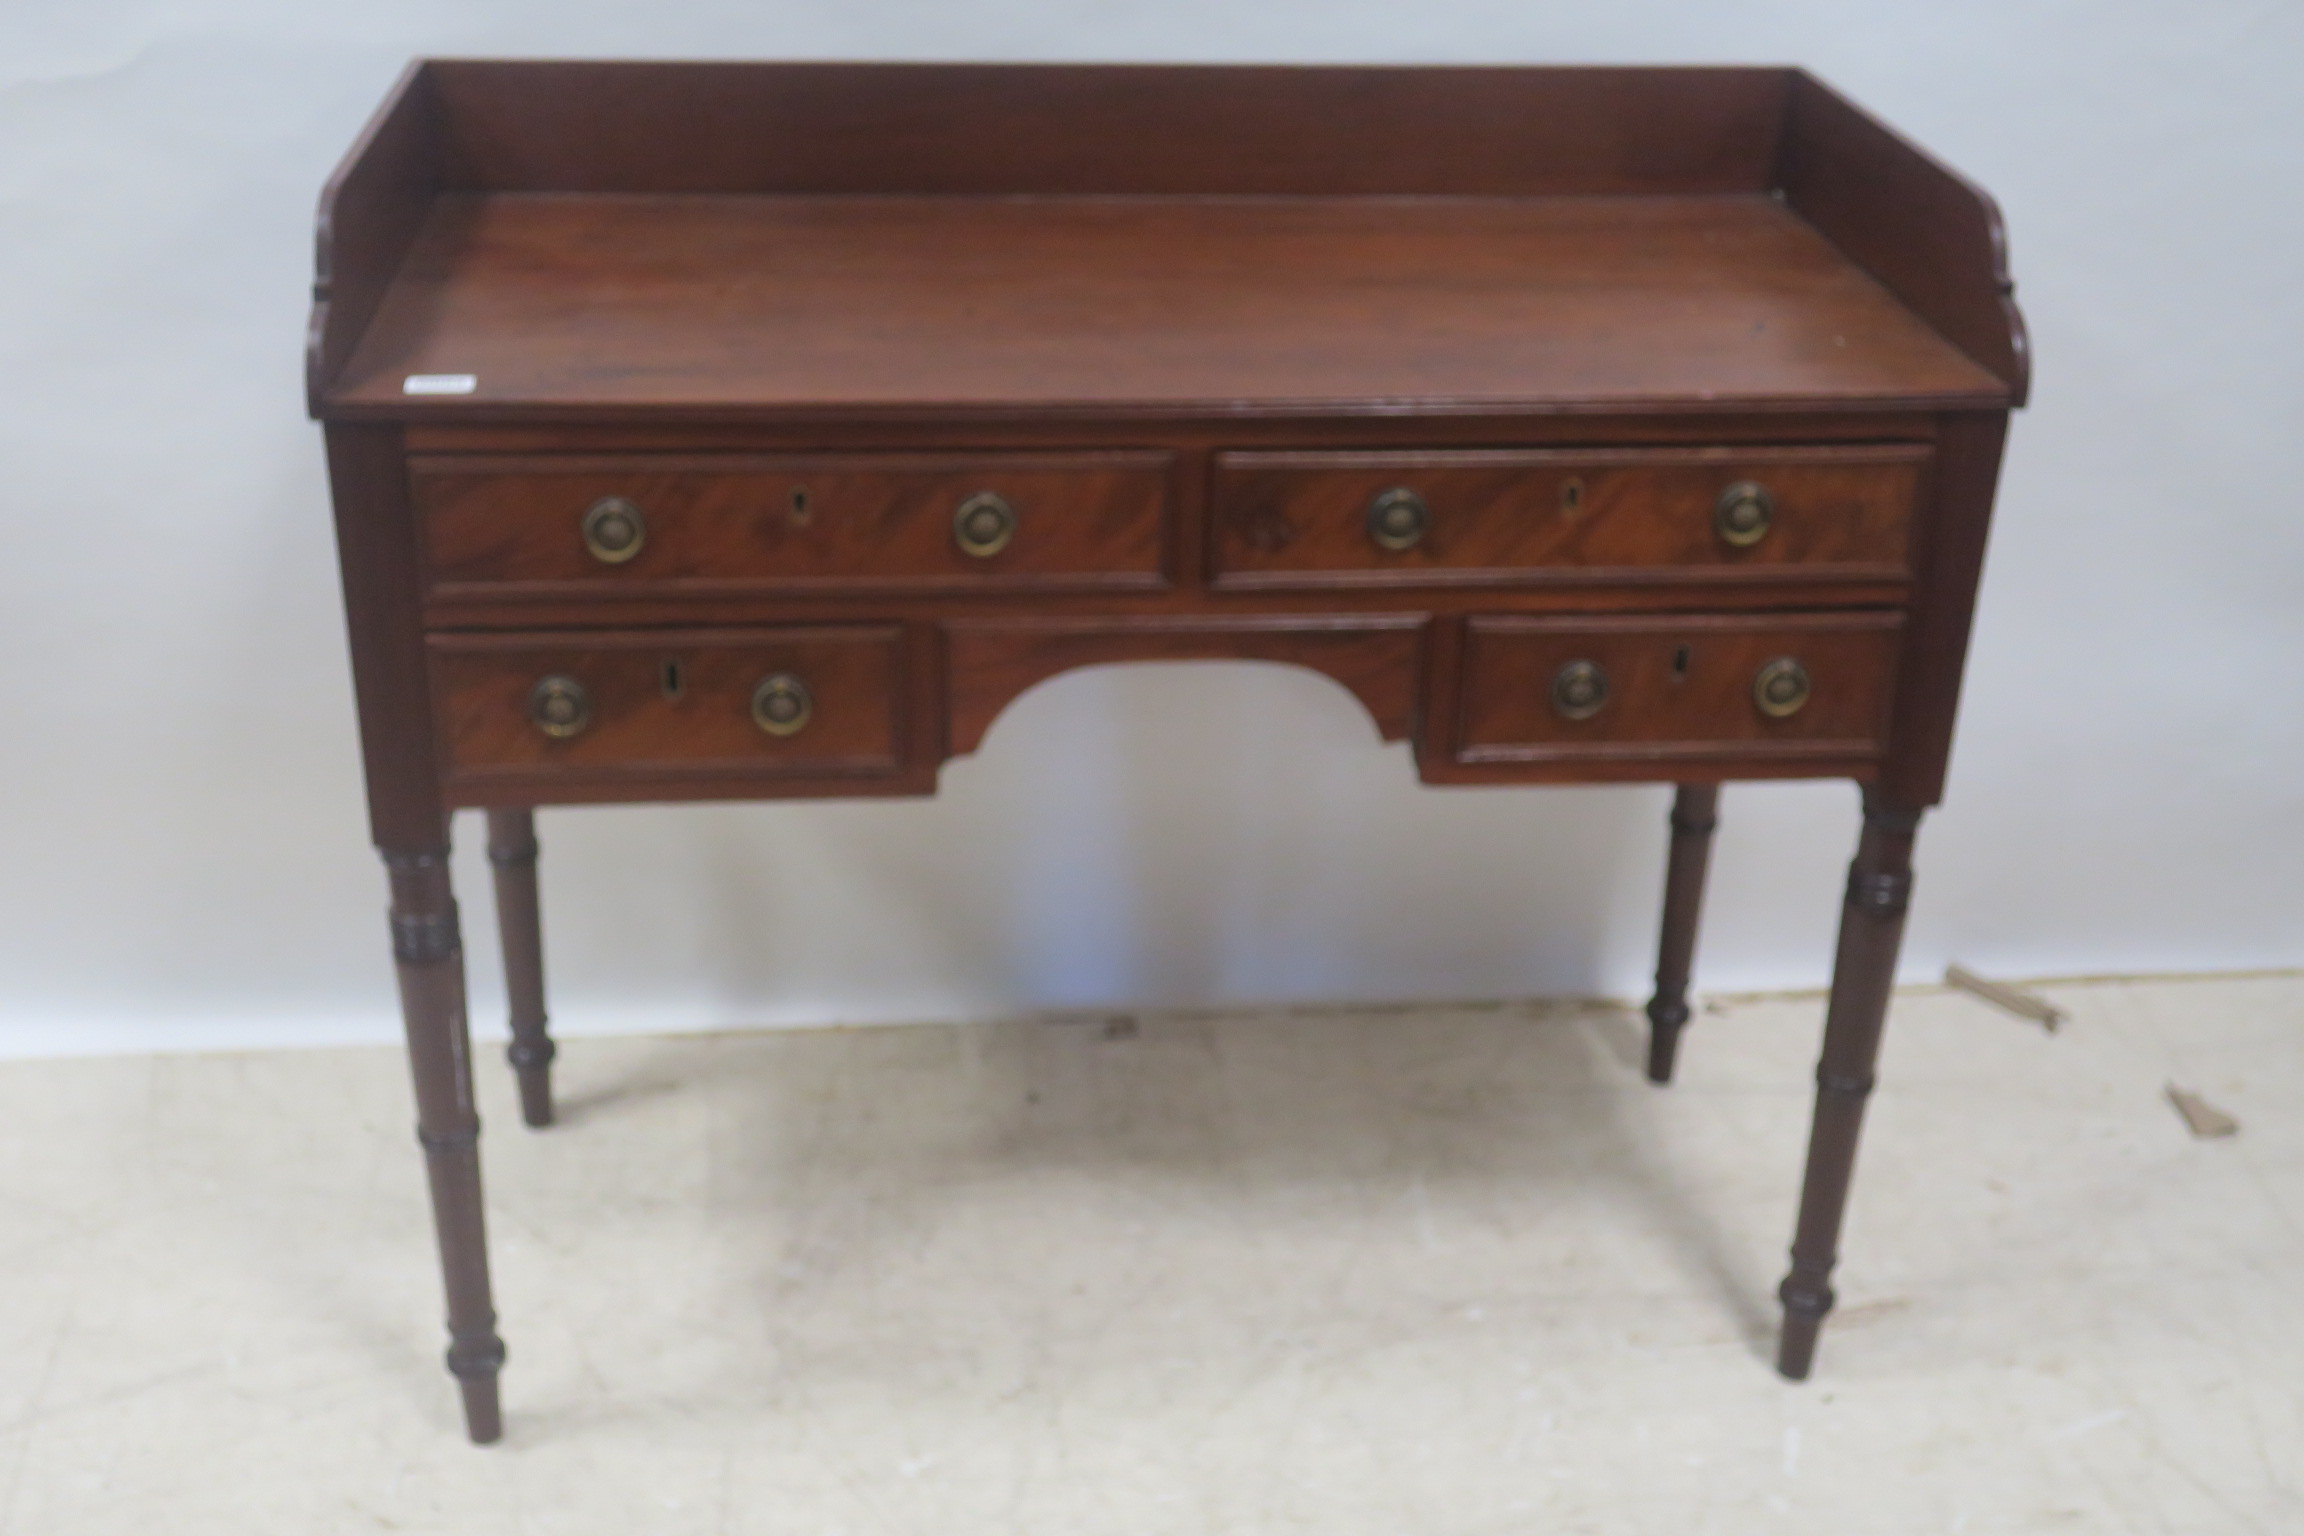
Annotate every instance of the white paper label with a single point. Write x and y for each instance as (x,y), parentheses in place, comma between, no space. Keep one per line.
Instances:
(440,384)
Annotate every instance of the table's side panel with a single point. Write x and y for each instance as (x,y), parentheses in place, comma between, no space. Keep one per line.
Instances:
(1930,235)
(1074,129)
(369,214)
(1948,565)
(376,545)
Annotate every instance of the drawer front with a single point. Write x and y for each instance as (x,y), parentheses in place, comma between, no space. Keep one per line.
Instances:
(810,701)
(1572,516)
(737,524)
(1697,686)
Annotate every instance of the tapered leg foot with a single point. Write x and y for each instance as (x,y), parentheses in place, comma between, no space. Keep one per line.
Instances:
(1803,1321)
(1863,973)
(512,854)
(483,1415)
(429,953)
(1694,814)
(1665,1021)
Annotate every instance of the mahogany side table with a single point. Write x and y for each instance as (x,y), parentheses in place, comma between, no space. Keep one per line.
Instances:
(730,431)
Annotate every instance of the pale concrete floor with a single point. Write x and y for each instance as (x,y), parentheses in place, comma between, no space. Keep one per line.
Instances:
(1438,1270)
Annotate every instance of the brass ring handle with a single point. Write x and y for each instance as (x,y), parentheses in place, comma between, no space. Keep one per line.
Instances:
(559,707)
(984,525)
(614,529)
(1744,514)
(1398,518)
(1580,690)
(782,704)
(1781,688)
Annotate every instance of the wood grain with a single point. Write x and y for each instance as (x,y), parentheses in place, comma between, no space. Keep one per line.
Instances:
(1506,712)
(1581,516)
(730,525)
(640,726)
(370,212)
(614,305)
(1009,130)
(1950,562)
(377,561)
(1931,236)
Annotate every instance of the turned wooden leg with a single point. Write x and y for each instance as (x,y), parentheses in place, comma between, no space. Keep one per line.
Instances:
(1863,973)
(1694,814)
(430,956)
(512,853)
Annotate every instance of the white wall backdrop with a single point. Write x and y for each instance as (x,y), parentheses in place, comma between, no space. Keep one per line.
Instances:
(183,854)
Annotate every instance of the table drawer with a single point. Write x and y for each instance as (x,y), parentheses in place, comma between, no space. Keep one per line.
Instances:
(1697,686)
(732,524)
(1567,516)
(802,700)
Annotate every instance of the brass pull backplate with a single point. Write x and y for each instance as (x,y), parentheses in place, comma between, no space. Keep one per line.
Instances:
(781,704)
(1580,690)
(559,707)
(614,530)
(1398,518)
(1744,514)
(984,525)
(1781,688)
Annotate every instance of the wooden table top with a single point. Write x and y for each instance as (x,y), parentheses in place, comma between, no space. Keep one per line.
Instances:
(1078,305)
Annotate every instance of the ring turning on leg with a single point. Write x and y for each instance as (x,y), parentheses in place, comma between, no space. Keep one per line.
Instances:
(429,953)
(1694,814)
(512,853)
(1863,972)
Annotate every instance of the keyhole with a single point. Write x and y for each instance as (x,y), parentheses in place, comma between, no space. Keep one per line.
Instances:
(1572,495)
(673,684)
(800,505)
(1681,656)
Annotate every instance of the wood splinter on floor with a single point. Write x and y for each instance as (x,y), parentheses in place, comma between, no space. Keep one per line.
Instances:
(1998,993)
(2205,1120)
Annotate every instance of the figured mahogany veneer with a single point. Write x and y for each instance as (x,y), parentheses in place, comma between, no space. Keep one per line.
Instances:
(1300,520)
(645,384)
(668,704)
(1678,688)
(499,526)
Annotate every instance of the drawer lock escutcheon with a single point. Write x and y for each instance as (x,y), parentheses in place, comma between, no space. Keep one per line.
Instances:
(1781,688)
(1744,514)
(559,707)
(781,704)
(984,525)
(1398,518)
(614,530)
(1580,690)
